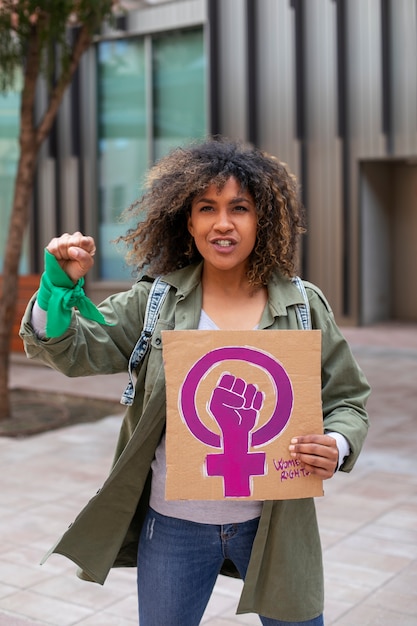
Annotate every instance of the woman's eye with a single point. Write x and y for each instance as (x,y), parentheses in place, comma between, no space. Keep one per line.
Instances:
(205,209)
(240,209)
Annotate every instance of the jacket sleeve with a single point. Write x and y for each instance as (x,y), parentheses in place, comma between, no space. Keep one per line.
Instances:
(87,347)
(345,389)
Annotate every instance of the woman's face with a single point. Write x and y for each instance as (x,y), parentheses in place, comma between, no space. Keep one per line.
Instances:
(223,224)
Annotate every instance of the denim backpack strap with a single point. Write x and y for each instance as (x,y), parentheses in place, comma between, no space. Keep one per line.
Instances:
(302,310)
(154,304)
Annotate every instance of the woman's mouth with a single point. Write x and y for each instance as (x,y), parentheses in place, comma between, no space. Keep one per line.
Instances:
(223,243)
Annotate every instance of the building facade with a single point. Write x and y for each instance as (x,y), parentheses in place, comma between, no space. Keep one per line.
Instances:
(328,86)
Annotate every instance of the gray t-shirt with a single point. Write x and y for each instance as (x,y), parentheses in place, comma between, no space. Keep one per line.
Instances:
(202,511)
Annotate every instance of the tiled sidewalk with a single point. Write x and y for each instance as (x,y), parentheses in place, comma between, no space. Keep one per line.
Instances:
(368,519)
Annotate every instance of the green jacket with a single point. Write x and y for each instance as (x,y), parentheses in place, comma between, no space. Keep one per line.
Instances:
(285,578)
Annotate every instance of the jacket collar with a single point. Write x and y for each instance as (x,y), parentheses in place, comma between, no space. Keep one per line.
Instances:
(282,293)
(185,280)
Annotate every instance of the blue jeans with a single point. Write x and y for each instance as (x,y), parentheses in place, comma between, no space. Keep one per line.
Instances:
(178,564)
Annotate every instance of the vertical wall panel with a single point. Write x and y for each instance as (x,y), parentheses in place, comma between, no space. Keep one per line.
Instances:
(88,122)
(67,169)
(364,71)
(46,216)
(323,149)
(276,68)
(232,79)
(403,48)
(365,118)
(45,223)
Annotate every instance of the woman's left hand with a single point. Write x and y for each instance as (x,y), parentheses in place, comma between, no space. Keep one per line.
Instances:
(318,454)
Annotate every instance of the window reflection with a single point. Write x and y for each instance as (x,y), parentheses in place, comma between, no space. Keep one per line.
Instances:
(122,142)
(179,93)
(177,84)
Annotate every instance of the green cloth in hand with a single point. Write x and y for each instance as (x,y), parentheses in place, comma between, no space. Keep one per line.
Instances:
(58,295)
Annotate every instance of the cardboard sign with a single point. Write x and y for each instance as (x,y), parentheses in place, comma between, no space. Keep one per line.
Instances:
(235,399)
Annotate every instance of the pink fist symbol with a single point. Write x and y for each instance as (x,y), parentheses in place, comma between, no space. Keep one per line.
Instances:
(235,405)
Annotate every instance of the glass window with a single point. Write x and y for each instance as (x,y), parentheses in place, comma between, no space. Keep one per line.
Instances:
(128,133)
(9,155)
(178,89)
(122,143)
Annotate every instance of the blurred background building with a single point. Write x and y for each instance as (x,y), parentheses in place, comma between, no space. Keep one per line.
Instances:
(328,86)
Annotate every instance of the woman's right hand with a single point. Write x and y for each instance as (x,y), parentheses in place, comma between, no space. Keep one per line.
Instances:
(74,253)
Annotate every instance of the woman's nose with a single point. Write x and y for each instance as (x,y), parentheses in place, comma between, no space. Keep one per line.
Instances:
(223,221)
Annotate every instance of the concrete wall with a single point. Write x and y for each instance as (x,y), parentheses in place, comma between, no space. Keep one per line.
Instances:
(404,235)
(388,255)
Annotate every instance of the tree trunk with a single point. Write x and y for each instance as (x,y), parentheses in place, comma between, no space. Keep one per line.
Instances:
(19,215)
(31,139)
(18,221)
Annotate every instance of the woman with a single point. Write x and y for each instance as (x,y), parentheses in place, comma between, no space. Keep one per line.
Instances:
(221,222)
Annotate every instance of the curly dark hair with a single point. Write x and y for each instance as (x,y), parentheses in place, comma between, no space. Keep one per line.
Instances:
(161,241)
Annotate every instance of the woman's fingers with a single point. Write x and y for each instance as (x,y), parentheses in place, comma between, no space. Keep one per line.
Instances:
(74,252)
(318,454)
(59,246)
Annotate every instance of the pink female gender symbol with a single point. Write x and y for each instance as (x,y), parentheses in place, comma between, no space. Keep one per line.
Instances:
(235,405)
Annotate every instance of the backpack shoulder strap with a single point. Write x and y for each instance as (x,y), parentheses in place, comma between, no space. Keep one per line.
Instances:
(157,295)
(302,310)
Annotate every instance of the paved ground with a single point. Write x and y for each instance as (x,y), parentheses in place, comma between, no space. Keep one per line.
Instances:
(368,519)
